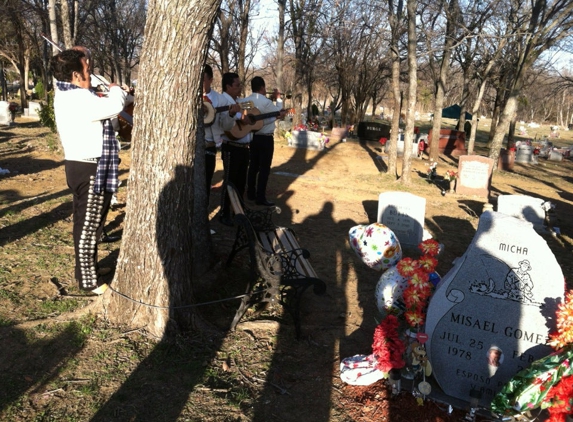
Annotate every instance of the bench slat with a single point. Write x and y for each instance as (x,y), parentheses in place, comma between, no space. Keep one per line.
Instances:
(287,238)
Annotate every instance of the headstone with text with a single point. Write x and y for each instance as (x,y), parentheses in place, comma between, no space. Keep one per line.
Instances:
(524,207)
(404,214)
(306,139)
(474,175)
(491,314)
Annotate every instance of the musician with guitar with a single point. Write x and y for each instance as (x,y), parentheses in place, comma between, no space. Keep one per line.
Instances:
(235,149)
(214,129)
(262,145)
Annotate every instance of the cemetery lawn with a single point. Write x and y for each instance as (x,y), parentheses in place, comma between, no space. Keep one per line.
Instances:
(62,361)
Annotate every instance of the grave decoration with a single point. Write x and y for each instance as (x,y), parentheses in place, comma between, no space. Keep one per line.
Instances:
(548,382)
(450,177)
(402,295)
(376,245)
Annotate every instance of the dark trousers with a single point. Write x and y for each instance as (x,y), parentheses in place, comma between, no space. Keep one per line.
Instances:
(235,164)
(210,162)
(262,150)
(89,214)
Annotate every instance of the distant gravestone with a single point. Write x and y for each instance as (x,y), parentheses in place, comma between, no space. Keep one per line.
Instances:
(523,207)
(490,316)
(404,214)
(306,139)
(524,154)
(474,175)
(34,110)
(5,116)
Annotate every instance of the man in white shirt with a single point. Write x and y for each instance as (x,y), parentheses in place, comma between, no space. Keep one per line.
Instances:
(214,132)
(235,151)
(262,145)
(91,156)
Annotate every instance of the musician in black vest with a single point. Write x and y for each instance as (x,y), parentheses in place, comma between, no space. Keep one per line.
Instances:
(263,144)
(235,152)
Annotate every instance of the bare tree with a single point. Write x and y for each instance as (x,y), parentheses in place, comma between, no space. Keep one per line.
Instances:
(537,26)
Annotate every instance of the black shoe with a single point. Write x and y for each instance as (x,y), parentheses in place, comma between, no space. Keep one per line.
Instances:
(109,239)
(265,203)
(227,221)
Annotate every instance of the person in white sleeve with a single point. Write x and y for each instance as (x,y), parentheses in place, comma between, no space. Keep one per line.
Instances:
(91,156)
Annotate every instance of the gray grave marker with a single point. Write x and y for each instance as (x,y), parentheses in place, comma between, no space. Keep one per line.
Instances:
(491,314)
(474,175)
(523,207)
(404,214)
(306,139)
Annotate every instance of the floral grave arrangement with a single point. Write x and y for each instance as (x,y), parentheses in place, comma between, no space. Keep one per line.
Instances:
(548,382)
(408,302)
(450,175)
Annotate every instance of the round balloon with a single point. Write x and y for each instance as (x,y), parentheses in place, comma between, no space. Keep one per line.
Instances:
(389,291)
(376,245)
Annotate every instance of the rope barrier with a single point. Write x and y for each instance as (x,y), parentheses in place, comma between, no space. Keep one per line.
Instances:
(185,306)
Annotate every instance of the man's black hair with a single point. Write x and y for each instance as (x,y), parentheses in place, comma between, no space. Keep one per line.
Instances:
(64,64)
(257,83)
(228,79)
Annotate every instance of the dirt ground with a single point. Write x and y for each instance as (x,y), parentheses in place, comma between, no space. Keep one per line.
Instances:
(63,363)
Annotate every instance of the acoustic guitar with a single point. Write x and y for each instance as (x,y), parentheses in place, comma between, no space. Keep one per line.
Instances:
(252,123)
(209,112)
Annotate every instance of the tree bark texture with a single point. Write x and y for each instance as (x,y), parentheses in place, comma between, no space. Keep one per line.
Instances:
(157,257)
(441,82)
(406,178)
(395,18)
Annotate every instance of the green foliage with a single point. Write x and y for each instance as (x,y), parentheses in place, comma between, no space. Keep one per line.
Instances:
(46,112)
(40,89)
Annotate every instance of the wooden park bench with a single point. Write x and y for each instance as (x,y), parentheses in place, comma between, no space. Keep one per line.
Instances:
(279,267)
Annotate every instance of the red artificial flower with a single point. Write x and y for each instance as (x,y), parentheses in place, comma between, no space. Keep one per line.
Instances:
(564,334)
(429,247)
(406,267)
(414,318)
(387,346)
(419,278)
(428,263)
(413,297)
(559,399)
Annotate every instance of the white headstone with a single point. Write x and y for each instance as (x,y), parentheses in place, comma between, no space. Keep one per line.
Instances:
(523,207)
(5,116)
(306,139)
(404,214)
(490,316)
(34,110)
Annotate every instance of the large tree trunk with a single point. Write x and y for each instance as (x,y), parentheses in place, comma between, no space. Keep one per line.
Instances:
(412,91)
(158,263)
(53,25)
(441,83)
(395,17)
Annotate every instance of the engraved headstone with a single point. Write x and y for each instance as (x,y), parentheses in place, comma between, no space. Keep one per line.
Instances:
(306,139)
(5,116)
(490,316)
(404,214)
(523,207)
(474,175)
